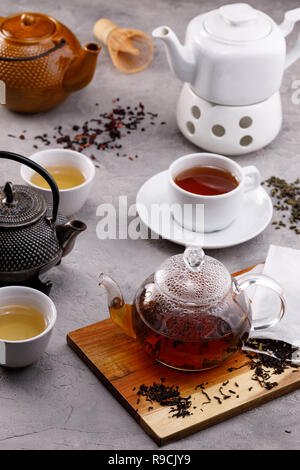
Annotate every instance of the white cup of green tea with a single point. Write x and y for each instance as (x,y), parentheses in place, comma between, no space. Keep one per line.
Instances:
(27,318)
(73,172)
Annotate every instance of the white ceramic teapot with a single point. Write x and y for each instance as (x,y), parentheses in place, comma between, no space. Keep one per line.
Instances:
(233,56)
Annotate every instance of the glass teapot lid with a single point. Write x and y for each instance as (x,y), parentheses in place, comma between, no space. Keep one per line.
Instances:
(238,22)
(193,278)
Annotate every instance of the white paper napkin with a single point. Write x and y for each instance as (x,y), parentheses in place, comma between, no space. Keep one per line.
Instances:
(283,265)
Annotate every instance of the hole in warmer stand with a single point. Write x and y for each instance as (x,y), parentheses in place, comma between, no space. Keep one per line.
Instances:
(245,122)
(196,112)
(190,127)
(218,130)
(246,140)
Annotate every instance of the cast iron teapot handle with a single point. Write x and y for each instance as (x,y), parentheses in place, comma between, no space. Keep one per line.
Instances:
(39,169)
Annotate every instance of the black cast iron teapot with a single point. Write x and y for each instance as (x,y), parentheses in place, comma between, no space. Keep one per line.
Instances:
(32,239)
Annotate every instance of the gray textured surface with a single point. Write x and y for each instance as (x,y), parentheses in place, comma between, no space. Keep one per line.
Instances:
(58,403)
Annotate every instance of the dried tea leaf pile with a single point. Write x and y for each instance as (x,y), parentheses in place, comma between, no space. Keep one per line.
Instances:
(277,359)
(287,202)
(166,395)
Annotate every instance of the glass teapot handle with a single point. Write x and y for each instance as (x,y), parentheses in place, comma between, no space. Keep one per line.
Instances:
(39,169)
(262,280)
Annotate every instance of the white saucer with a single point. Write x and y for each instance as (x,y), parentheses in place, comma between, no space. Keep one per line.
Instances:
(252,220)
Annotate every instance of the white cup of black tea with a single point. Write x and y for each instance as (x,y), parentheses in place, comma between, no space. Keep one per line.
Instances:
(73,172)
(206,191)
(27,318)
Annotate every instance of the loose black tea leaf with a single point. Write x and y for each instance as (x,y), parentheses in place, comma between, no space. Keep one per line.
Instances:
(223,394)
(199,386)
(218,400)
(206,395)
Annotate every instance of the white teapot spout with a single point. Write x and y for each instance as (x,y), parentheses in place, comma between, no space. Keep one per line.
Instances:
(180,58)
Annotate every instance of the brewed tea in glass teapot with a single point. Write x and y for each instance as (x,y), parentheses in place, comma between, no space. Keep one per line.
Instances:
(191,314)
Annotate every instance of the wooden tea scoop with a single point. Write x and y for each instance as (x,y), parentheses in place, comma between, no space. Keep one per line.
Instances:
(131,50)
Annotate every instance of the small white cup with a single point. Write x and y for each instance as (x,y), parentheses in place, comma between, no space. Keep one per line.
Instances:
(22,353)
(219,210)
(71,200)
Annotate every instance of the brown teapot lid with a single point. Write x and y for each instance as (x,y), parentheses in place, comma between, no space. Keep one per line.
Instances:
(29,27)
(20,206)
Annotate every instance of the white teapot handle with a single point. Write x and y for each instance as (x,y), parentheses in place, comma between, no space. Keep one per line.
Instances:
(291,17)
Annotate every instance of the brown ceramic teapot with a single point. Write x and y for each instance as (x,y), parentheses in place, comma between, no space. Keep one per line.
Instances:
(42,62)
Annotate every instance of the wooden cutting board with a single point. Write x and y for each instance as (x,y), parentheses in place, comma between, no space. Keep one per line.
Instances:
(121,364)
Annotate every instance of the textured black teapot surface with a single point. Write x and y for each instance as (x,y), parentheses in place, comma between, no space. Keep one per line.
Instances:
(33,238)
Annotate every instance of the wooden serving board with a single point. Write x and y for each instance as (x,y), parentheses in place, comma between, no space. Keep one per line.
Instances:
(121,364)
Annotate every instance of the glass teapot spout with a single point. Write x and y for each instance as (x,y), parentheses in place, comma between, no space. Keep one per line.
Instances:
(120,312)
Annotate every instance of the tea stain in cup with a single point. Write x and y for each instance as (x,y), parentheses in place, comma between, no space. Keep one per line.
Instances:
(20,322)
(206,180)
(65,176)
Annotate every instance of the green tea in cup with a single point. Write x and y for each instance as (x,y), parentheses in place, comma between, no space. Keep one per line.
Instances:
(20,322)
(65,176)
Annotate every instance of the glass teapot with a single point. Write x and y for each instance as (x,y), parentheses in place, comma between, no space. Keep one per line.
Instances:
(191,314)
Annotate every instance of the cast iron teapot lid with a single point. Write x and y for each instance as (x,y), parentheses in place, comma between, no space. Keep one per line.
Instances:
(21,206)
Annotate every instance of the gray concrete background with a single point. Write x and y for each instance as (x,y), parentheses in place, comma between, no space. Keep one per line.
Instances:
(58,403)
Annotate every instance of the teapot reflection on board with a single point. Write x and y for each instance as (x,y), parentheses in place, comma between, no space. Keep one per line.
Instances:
(42,62)
(190,314)
(31,240)
(232,64)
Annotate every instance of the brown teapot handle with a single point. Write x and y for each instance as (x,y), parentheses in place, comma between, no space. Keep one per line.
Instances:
(39,169)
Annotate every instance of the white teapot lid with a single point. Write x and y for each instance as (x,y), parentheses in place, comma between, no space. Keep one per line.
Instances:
(238,22)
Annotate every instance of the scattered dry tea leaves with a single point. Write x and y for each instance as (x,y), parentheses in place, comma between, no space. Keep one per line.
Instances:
(105,131)
(276,357)
(263,364)
(287,202)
